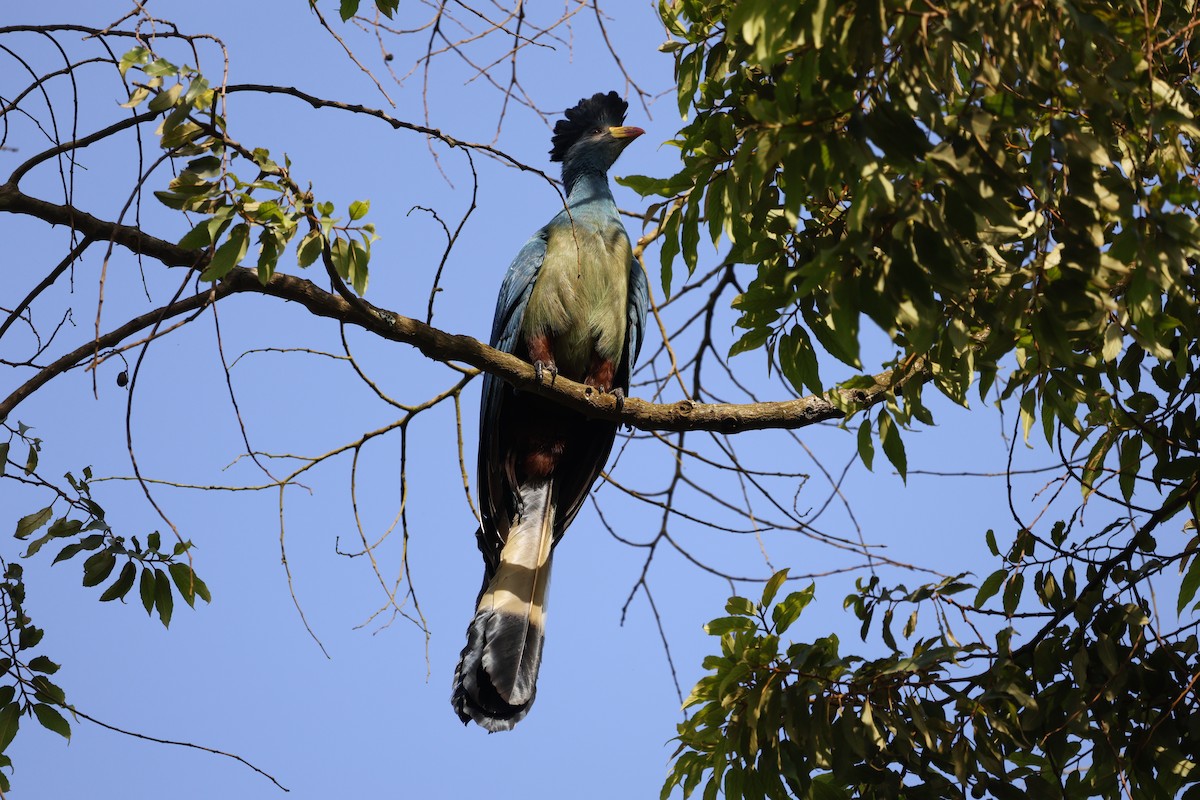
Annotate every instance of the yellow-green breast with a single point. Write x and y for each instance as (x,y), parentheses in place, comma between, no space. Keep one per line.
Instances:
(581,292)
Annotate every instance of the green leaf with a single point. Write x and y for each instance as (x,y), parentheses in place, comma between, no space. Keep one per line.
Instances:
(36,545)
(990,586)
(1012,592)
(185,581)
(723,625)
(172,200)
(340,255)
(206,232)
(1093,467)
(1130,461)
(69,551)
(52,720)
(358,266)
(180,134)
(146,589)
(162,597)
(201,589)
(161,68)
(46,691)
(798,360)
(137,56)
(98,567)
(866,445)
(689,232)
(29,637)
(788,611)
(10,720)
(911,626)
(31,460)
(348,9)
(772,587)
(121,586)
(65,527)
(310,247)
(644,185)
(670,249)
(31,522)
(229,254)
(350,257)
(893,447)
(43,664)
(359,209)
(3,457)
(198,94)
(165,99)
(1113,342)
(1191,582)
(751,340)
(139,94)
(270,248)
(739,606)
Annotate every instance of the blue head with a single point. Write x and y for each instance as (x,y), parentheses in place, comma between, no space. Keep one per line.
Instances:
(592,136)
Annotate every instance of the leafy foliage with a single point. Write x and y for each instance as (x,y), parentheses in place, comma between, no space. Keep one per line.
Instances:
(26,691)
(79,521)
(83,526)
(272,204)
(1009,192)
(977,180)
(1094,709)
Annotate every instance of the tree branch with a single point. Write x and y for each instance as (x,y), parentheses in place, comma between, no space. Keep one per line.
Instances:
(434,343)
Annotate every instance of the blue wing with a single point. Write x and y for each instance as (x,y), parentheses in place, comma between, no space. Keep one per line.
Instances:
(635,324)
(495,495)
(514,292)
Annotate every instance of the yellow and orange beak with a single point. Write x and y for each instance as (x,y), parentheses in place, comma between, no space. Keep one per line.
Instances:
(626,132)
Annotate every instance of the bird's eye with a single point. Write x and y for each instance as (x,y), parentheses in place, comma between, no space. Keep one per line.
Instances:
(597,130)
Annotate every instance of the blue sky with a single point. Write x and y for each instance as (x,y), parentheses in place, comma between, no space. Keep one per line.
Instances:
(242,675)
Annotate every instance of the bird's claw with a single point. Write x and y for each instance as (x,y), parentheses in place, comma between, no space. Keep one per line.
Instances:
(545,367)
(619,395)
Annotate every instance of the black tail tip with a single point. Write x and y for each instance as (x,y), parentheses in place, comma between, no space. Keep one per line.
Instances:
(476,697)
(493,719)
(476,700)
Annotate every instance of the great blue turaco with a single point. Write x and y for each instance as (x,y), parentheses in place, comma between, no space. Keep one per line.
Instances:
(573,303)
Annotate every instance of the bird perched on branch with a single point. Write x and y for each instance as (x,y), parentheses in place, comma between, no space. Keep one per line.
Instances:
(573,303)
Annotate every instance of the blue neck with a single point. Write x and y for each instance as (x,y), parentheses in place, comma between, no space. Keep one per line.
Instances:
(585,181)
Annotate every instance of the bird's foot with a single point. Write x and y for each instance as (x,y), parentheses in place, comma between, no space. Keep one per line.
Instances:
(541,355)
(617,393)
(541,368)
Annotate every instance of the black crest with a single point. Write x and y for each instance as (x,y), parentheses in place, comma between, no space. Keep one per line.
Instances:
(599,110)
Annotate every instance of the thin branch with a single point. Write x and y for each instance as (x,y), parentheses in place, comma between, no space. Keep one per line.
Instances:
(214,751)
(46,283)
